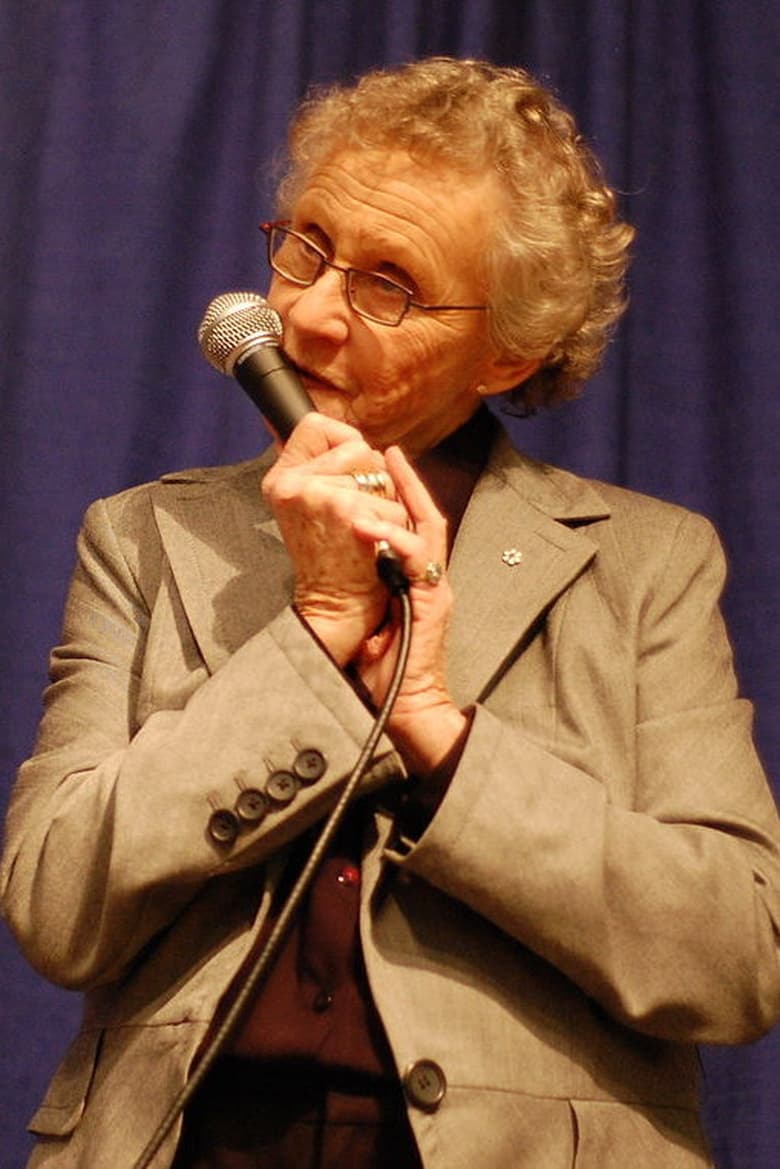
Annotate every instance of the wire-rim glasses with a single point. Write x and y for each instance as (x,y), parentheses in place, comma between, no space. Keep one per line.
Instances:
(377,298)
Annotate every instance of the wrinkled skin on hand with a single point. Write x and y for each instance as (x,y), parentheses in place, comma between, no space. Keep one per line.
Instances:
(315,500)
(330,529)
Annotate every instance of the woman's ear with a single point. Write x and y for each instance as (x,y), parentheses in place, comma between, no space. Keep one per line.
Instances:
(505,373)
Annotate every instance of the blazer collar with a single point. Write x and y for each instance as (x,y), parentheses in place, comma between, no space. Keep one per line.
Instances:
(230,566)
(517,549)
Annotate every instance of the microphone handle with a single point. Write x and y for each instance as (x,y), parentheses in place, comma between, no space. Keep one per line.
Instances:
(274,386)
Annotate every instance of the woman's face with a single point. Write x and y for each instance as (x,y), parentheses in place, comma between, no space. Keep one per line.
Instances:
(425,228)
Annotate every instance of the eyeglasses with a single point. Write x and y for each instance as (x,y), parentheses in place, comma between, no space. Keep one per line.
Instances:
(370,295)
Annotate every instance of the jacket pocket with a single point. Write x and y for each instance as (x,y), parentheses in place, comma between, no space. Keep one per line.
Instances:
(609,1135)
(66,1097)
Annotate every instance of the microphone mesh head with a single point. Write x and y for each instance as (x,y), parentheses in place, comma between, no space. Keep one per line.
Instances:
(235,322)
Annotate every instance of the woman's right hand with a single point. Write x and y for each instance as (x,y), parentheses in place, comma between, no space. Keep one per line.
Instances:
(315,499)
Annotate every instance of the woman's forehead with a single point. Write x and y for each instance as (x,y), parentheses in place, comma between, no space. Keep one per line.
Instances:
(389,191)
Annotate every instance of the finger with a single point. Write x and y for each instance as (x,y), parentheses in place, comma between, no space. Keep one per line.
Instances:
(316,434)
(425,515)
(375,646)
(423,565)
(351,472)
(357,506)
(359,466)
(420,563)
(410,486)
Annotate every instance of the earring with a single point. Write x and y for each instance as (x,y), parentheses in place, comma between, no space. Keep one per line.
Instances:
(481,390)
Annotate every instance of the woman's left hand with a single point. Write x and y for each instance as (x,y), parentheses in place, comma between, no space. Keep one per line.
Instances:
(425,722)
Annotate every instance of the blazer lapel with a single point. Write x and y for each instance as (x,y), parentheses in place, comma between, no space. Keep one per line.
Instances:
(226,555)
(515,552)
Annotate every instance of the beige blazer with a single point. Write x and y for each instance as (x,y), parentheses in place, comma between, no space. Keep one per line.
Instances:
(597,893)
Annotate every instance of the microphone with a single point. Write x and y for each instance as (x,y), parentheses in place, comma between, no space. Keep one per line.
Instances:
(241,336)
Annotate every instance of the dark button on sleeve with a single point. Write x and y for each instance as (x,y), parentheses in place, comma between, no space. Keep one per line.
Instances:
(309,765)
(282,787)
(251,806)
(425,1084)
(223,826)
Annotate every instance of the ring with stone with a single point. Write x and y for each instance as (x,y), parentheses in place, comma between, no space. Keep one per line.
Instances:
(432,574)
(375,482)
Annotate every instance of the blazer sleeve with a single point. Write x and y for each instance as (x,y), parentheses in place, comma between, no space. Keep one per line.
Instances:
(107,835)
(663,907)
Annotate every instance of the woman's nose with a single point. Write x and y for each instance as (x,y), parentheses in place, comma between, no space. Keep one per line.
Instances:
(322,307)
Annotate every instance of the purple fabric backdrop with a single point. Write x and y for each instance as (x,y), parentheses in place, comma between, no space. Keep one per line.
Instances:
(137,143)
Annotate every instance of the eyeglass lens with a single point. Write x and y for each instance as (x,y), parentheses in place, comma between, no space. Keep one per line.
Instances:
(369,294)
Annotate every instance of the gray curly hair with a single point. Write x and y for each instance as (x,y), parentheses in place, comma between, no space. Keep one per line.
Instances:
(555,265)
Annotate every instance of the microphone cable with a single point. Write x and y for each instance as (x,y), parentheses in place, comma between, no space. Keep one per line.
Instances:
(387,566)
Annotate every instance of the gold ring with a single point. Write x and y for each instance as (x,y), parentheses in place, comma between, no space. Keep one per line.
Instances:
(375,482)
(432,574)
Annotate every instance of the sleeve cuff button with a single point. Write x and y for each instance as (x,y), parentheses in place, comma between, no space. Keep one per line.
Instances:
(309,765)
(282,787)
(251,806)
(223,826)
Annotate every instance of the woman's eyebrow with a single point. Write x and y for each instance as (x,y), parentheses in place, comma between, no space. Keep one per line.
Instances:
(388,268)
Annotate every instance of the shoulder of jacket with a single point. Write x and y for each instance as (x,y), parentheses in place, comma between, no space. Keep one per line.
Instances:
(579,501)
(127,519)
(648,515)
(219,475)
(193,480)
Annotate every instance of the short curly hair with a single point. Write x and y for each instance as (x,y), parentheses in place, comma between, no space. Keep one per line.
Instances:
(555,265)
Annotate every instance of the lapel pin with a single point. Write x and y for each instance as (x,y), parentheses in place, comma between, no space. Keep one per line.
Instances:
(511,556)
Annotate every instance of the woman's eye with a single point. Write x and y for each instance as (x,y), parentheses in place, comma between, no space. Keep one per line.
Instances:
(381,287)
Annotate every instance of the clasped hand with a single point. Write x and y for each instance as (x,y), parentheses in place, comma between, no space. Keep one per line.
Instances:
(330,529)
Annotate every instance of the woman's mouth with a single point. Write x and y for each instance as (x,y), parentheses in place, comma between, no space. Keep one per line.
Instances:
(316,381)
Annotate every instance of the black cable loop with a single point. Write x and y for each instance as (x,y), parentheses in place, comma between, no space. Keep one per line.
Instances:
(260,968)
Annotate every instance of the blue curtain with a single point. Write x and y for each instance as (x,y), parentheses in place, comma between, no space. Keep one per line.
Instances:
(137,144)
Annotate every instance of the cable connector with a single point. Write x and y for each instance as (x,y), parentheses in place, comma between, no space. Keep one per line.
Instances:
(388,567)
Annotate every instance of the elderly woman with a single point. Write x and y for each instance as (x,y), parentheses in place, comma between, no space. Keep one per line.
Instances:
(560,872)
